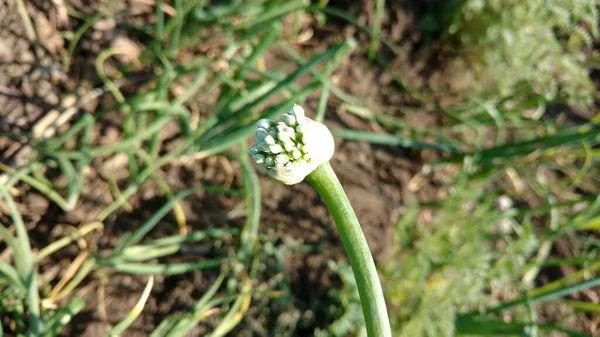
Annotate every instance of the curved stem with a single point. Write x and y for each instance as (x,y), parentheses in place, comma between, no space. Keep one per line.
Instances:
(327,184)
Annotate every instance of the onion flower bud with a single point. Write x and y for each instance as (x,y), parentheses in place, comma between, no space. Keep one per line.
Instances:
(291,149)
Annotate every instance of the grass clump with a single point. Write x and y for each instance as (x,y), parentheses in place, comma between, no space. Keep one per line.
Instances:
(524,45)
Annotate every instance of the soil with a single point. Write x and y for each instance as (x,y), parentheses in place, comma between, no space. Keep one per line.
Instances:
(376,178)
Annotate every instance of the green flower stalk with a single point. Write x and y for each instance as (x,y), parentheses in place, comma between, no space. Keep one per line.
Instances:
(298,148)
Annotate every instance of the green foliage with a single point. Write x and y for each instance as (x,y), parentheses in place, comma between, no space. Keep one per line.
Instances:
(454,259)
(534,44)
(345,306)
(447,264)
(240,35)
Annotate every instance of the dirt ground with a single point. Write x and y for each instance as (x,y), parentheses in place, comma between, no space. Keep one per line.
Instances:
(376,178)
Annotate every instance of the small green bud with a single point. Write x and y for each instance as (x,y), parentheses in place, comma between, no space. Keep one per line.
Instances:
(263,124)
(260,135)
(258,158)
(269,161)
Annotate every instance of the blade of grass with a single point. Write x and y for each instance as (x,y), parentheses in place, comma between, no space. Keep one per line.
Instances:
(26,269)
(74,180)
(63,316)
(490,108)
(181,239)
(188,6)
(270,37)
(75,39)
(178,212)
(154,219)
(193,88)
(158,30)
(14,178)
(393,140)
(178,26)
(523,148)
(379,10)
(538,297)
(489,327)
(81,266)
(41,187)
(396,124)
(569,279)
(10,274)
(273,13)
(139,255)
(164,269)
(53,144)
(573,262)
(10,242)
(320,115)
(187,323)
(135,312)
(249,236)
(165,326)
(82,272)
(83,230)
(236,313)
(582,306)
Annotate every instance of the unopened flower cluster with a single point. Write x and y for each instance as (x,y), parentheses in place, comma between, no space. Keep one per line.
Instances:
(291,149)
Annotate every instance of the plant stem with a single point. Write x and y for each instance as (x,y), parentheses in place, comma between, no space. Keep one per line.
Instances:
(327,184)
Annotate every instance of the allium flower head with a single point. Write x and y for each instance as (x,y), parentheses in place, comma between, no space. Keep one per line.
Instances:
(291,149)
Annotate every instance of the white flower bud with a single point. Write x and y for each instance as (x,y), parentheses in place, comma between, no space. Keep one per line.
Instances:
(281,160)
(289,119)
(284,137)
(291,149)
(289,146)
(285,133)
(276,148)
(269,140)
(298,112)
